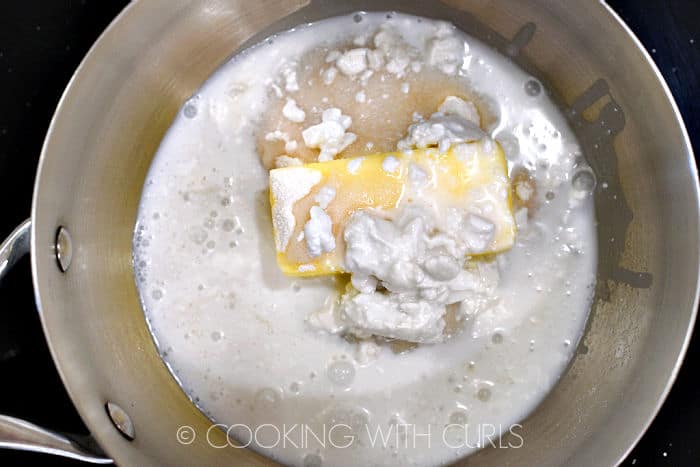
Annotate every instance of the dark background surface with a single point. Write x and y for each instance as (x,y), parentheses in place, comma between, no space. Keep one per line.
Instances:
(42,43)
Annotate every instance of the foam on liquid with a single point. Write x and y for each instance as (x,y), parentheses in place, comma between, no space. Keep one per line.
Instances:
(232,327)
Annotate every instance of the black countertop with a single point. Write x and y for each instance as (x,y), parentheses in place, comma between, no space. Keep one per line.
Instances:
(42,43)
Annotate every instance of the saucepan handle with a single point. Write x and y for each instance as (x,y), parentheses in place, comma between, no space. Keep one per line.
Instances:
(22,435)
(15,247)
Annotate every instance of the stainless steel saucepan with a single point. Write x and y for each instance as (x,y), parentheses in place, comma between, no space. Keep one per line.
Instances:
(127,92)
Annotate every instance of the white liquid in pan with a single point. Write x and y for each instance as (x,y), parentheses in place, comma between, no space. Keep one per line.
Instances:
(233,328)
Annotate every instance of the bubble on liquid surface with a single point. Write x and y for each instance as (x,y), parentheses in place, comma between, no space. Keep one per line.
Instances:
(198,235)
(217,336)
(583,181)
(157,294)
(228,225)
(267,396)
(357,418)
(312,460)
(295,387)
(400,424)
(483,394)
(190,109)
(341,373)
(458,417)
(533,88)
(357,18)
(497,337)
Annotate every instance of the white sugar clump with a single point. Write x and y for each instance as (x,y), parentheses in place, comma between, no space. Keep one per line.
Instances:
(289,74)
(390,164)
(456,122)
(375,59)
(330,135)
(286,161)
(292,112)
(333,55)
(290,145)
(455,106)
(329,75)
(443,50)
(352,62)
(446,51)
(277,135)
(306,268)
(318,233)
(325,196)
(397,53)
(287,187)
(417,176)
(355,164)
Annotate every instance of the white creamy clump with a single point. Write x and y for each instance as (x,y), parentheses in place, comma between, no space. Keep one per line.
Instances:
(420,271)
(417,255)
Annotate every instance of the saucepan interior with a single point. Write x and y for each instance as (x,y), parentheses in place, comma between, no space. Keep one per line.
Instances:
(127,92)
